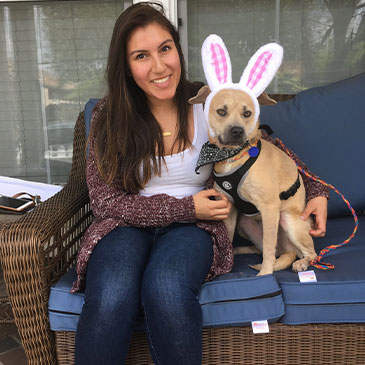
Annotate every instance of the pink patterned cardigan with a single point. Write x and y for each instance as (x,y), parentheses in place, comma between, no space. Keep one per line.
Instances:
(113,207)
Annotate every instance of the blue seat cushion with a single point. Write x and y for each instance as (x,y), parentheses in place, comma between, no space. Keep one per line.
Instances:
(325,127)
(339,294)
(237,298)
(240,297)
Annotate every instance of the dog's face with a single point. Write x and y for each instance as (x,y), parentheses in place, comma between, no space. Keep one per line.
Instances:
(232,118)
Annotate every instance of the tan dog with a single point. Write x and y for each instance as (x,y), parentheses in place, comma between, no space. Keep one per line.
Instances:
(272,182)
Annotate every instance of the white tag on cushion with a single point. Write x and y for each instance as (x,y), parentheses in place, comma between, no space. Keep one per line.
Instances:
(307,276)
(260,327)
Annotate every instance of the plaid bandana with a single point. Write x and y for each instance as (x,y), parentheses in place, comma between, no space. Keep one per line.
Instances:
(211,153)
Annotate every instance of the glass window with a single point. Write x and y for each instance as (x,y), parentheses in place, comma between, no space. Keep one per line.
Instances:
(323,40)
(53,57)
(52,60)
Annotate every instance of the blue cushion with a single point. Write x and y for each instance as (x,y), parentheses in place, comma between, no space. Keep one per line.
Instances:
(64,308)
(240,297)
(89,106)
(325,127)
(236,298)
(339,294)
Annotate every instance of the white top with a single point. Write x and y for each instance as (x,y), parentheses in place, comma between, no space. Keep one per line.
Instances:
(178,177)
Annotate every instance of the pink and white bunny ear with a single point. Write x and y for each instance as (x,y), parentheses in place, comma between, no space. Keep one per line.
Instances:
(216,62)
(262,68)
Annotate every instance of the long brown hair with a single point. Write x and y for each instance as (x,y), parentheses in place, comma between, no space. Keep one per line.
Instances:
(129,136)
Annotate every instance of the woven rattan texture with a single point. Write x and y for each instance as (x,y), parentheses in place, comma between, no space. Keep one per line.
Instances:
(39,248)
(284,345)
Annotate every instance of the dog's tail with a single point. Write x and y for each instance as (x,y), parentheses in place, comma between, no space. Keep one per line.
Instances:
(285,260)
(281,263)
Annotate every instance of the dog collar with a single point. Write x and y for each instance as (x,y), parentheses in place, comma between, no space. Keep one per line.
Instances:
(211,153)
(253,151)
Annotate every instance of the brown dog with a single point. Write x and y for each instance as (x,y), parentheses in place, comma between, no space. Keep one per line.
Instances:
(272,182)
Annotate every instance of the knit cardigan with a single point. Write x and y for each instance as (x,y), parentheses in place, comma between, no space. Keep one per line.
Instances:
(112,207)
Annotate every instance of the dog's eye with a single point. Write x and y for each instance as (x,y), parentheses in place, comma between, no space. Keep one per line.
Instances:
(247,113)
(222,112)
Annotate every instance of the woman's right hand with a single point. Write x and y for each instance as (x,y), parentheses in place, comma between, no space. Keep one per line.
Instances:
(208,209)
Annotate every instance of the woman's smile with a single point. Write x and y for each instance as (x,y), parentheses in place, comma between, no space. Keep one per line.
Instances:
(161,81)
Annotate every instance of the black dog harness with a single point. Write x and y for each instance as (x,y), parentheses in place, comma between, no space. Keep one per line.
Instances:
(231,184)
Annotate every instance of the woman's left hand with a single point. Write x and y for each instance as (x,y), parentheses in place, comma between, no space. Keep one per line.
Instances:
(317,207)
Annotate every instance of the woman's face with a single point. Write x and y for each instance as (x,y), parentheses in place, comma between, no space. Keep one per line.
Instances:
(154,62)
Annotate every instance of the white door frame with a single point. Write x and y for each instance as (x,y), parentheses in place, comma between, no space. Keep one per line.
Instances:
(170,7)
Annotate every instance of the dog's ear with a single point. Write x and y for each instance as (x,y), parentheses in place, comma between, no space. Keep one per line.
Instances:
(216,62)
(262,67)
(264,99)
(201,96)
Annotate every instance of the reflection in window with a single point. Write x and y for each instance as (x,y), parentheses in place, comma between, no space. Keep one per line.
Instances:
(52,60)
(323,40)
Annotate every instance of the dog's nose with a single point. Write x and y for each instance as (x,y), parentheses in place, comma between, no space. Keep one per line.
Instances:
(236,132)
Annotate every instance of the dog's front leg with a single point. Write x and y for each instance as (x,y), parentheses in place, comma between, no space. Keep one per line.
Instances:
(270,222)
(231,222)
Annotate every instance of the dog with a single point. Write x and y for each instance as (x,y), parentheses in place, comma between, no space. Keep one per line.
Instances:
(268,196)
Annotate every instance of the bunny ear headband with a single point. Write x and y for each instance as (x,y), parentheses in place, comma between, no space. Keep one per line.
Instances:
(257,75)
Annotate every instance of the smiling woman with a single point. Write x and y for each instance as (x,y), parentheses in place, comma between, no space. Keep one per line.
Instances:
(157,234)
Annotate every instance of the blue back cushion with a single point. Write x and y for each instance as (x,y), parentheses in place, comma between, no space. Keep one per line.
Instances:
(325,127)
(89,106)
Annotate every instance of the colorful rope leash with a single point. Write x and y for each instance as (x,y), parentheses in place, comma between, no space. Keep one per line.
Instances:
(317,262)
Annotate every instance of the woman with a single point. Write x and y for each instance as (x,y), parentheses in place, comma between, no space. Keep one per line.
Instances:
(157,234)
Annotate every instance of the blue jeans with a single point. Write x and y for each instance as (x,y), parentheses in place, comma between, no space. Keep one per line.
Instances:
(162,268)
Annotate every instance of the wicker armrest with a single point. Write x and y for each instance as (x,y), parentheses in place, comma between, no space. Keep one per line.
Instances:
(38,249)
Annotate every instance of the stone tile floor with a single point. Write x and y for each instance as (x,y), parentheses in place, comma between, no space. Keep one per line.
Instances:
(11,349)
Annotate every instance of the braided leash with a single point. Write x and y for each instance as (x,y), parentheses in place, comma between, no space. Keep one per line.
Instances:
(317,261)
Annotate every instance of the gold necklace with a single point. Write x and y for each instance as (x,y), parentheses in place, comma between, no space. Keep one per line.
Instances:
(166,134)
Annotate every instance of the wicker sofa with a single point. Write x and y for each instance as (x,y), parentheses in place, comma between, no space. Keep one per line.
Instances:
(38,249)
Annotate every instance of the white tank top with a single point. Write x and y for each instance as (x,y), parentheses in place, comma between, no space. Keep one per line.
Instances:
(178,177)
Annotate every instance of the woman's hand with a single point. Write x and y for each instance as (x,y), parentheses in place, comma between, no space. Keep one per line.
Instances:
(207,209)
(318,207)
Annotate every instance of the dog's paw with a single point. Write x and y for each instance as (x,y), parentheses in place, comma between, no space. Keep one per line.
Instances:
(255,267)
(300,265)
(261,272)
(264,271)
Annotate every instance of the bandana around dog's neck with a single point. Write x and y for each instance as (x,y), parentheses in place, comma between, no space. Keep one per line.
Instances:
(211,153)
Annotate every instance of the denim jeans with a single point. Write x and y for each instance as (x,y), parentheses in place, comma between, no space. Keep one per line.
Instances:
(162,268)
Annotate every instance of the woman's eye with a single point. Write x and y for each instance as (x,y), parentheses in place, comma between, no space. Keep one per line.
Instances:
(247,113)
(140,56)
(222,112)
(165,48)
